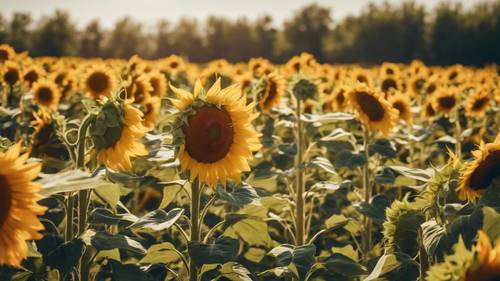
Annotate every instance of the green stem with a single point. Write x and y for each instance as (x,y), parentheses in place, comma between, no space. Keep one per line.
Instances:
(195,218)
(458,136)
(367,192)
(69,217)
(300,214)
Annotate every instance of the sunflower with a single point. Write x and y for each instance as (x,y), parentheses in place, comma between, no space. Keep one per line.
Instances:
(389,69)
(151,111)
(432,86)
(140,89)
(417,84)
(445,101)
(340,101)
(360,75)
(18,205)
(477,103)
(32,74)
(390,83)
(258,65)
(372,109)
(403,105)
(116,131)
(428,110)
(158,83)
(11,73)
(98,81)
(274,90)
(218,137)
(6,53)
(294,65)
(482,263)
(46,94)
(244,80)
(481,171)
(173,64)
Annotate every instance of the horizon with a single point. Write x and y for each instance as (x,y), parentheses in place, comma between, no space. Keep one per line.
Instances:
(83,12)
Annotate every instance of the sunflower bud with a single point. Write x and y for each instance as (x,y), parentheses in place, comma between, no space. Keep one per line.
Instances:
(304,89)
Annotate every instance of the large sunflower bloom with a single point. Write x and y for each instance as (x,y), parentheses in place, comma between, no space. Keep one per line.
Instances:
(217,132)
(479,173)
(18,205)
(116,133)
(46,94)
(6,53)
(98,81)
(487,266)
(275,86)
(372,109)
(477,103)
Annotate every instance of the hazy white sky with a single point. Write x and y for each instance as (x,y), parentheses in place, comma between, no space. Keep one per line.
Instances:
(150,11)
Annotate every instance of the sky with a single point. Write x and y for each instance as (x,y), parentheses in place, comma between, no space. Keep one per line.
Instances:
(150,11)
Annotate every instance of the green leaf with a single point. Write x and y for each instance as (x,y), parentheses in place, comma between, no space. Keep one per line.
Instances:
(434,236)
(239,196)
(322,163)
(128,272)
(338,134)
(110,193)
(252,230)
(375,209)
(158,220)
(65,256)
(491,222)
(303,259)
(225,249)
(340,264)
(106,241)
(171,192)
(349,159)
(385,264)
(106,216)
(235,272)
(414,173)
(69,181)
(164,253)
(326,118)
(383,147)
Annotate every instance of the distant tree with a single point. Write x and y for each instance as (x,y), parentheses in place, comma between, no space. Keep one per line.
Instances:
(125,39)
(215,28)
(308,28)
(3,30)
(163,39)
(55,36)
(91,40)
(188,42)
(265,35)
(19,35)
(447,35)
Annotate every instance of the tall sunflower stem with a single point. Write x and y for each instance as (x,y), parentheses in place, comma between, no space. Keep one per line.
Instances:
(300,212)
(458,136)
(69,217)
(195,226)
(367,239)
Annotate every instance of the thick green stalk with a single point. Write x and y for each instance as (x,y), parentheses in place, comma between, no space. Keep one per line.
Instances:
(458,136)
(299,181)
(367,193)
(195,223)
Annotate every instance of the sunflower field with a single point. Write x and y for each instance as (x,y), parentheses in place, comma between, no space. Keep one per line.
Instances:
(167,170)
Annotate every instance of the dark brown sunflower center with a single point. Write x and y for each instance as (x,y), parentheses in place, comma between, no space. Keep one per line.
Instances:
(387,84)
(431,89)
(209,134)
(480,103)
(296,66)
(453,75)
(486,171)
(430,110)
(271,93)
(447,102)
(362,79)
(31,76)
(389,71)
(11,76)
(60,78)
(98,82)
(418,84)
(174,64)
(400,107)
(370,106)
(44,94)
(4,55)
(340,97)
(5,200)
(139,92)
(155,83)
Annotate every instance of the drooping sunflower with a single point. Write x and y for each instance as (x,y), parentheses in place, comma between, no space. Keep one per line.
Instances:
(98,81)
(11,73)
(480,172)
(482,263)
(445,101)
(372,109)
(140,89)
(477,103)
(274,90)
(218,137)
(46,94)
(403,105)
(18,205)
(116,132)
(6,53)
(152,108)
(158,83)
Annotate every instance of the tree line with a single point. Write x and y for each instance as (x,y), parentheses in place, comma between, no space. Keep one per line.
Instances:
(445,35)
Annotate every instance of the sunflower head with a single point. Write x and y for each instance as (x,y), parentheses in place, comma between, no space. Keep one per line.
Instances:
(6,53)
(478,102)
(11,73)
(372,109)
(258,66)
(215,132)
(18,205)
(402,104)
(158,83)
(390,83)
(486,265)
(98,81)
(304,89)
(140,89)
(152,108)
(46,94)
(481,171)
(116,131)
(445,101)
(32,74)
(274,90)
(389,69)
